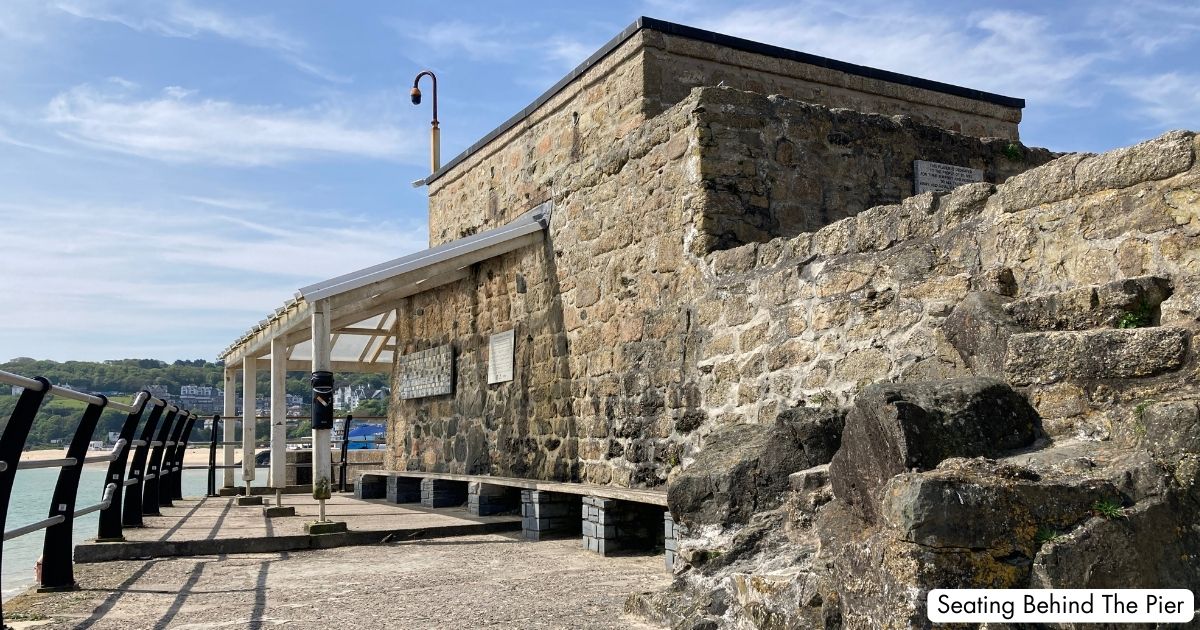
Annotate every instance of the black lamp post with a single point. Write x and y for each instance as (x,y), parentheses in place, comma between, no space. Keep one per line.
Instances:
(435,139)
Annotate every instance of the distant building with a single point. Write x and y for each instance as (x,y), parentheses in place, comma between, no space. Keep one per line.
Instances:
(16,390)
(202,398)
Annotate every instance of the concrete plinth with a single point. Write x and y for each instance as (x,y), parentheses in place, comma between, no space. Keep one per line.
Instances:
(229,492)
(317,528)
(250,500)
(275,511)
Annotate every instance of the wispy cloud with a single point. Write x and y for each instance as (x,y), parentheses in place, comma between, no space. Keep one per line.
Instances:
(208,276)
(178,18)
(1170,99)
(504,42)
(177,125)
(1002,51)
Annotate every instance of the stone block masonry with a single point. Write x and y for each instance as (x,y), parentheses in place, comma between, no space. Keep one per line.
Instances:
(487,499)
(404,490)
(548,515)
(611,526)
(670,540)
(370,487)
(436,493)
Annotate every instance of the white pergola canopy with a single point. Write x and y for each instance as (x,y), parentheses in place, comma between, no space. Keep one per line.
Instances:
(361,305)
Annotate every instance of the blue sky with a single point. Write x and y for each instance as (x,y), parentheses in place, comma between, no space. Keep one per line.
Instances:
(172,170)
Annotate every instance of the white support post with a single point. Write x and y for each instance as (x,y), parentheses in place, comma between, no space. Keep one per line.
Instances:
(229,426)
(278,416)
(249,393)
(322,454)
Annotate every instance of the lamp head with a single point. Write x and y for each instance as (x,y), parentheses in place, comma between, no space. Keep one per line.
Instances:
(416,95)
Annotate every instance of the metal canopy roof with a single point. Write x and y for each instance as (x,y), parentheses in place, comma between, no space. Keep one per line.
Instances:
(362,303)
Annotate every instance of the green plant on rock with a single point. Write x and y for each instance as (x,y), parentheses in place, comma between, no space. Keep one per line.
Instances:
(1109,509)
(1140,317)
(1139,415)
(1014,152)
(1046,535)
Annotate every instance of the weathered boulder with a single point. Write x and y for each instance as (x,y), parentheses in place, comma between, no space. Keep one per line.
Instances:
(744,468)
(1152,545)
(1042,358)
(1170,430)
(979,329)
(1132,300)
(984,504)
(896,428)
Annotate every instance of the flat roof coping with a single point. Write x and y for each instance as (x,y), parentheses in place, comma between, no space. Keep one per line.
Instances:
(728,41)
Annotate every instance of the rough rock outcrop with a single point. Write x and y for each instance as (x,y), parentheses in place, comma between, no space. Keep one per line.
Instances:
(1074,288)
(895,428)
(744,468)
(1043,358)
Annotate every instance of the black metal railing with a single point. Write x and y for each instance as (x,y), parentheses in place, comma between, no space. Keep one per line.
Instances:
(143,491)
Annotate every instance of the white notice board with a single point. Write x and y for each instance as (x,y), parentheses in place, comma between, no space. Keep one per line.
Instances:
(500,357)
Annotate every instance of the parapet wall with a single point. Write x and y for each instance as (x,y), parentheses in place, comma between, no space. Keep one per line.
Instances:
(674,65)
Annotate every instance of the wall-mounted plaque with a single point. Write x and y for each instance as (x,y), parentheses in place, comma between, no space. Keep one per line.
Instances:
(936,176)
(500,357)
(427,373)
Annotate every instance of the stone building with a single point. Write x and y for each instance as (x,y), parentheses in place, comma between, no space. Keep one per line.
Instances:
(853,391)
(587,225)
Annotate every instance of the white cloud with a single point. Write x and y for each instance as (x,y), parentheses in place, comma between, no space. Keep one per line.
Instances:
(1002,51)
(178,18)
(498,42)
(1168,100)
(177,125)
(110,281)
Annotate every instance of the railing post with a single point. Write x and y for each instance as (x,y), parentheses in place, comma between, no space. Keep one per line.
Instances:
(110,517)
(11,444)
(153,475)
(57,571)
(345,447)
(176,484)
(166,475)
(131,511)
(212,457)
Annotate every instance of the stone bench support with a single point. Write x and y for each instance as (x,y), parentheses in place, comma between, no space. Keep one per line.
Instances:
(548,515)
(371,487)
(404,490)
(484,499)
(611,526)
(438,493)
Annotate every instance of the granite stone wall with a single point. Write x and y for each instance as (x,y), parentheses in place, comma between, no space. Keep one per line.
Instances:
(615,344)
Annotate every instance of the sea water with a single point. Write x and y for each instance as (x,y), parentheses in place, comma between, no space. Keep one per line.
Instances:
(31,503)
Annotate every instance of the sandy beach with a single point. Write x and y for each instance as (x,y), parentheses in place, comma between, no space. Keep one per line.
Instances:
(194,456)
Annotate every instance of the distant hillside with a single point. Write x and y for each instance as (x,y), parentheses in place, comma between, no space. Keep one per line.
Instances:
(123,378)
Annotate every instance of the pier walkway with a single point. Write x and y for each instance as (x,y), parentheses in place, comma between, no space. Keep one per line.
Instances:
(488,581)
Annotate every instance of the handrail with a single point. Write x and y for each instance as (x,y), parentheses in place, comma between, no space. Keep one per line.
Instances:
(46,463)
(104,501)
(33,527)
(29,383)
(112,455)
(109,490)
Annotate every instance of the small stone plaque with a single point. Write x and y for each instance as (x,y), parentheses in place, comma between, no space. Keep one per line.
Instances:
(500,357)
(940,177)
(427,373)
